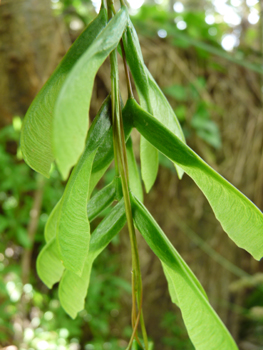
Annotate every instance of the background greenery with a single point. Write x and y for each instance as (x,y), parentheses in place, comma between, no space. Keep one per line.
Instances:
(217,95)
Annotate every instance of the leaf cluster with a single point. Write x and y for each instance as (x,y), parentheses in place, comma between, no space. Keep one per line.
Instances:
(56,128)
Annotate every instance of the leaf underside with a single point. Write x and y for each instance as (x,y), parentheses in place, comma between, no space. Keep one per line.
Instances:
(73,288)
(239,217)
(134,177)
(203,325)
(72,107)
(36,140)
(49,265)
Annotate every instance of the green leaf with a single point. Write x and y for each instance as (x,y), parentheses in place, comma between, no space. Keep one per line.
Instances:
(149,163)
(134,177)
(73,288)
(203,325)
(239,217)
(99,131)
(153,101)
(50,228)
(72,106)
(72,228)
(101,200)
(105,153)
(165,114)
(36,140)
(49,265)
(148,153)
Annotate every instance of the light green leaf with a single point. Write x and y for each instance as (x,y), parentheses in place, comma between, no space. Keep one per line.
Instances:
(100,129)
(239,217)
(153,101)
(36,143)
(134,176)
(72,228)
(149,163)
(49,265)
(73,288)
(72,106)
(50,228)
(203,325)
(171,287)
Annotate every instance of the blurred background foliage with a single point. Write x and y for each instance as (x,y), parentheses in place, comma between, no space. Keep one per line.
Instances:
(207,57)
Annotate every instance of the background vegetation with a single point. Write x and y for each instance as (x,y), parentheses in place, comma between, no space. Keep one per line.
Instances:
(207,58)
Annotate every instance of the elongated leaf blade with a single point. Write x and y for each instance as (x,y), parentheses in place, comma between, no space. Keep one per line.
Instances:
(239,217)
(134,176)
(51,225)
(73,288)
(162,108)
(72,228)
(72,107)
(152,100)
(36,140)
(100,128)
(149,163)
(148,153)
(101,200)
(105,153)
(49,265)
(203,325)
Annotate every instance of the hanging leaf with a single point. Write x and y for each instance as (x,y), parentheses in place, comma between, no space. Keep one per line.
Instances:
(49,265)
(101,200)
(148,153)
(73,288)
(36,143)
(72,228)
(152,100)
(134,176)
(72,107)
(239,217)
(204,327)
(105,153)
(50,228)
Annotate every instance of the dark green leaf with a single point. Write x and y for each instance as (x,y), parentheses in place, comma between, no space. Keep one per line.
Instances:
(153,101)
(148,153)
(105,153)
(101,200)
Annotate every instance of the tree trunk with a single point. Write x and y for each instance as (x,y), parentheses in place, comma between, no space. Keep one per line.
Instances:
(30,48)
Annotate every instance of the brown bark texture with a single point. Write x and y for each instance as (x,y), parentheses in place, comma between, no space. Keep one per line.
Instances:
(30,48)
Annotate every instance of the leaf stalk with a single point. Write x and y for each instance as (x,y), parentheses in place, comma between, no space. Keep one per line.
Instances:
(120,157)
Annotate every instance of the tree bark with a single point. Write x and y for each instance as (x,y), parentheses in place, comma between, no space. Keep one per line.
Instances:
(31,45)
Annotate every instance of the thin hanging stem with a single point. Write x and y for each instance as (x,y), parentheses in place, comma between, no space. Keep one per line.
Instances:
(120,157)
(135,329)
(127,73)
